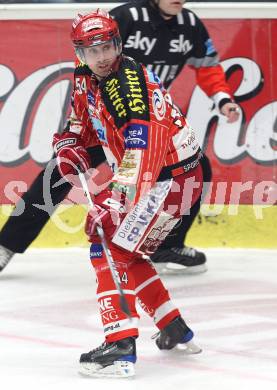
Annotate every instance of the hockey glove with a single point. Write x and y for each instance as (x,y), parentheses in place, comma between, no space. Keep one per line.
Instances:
(109,210)
(71,154)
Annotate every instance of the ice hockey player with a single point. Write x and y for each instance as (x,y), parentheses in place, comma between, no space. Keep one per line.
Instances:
(122,106)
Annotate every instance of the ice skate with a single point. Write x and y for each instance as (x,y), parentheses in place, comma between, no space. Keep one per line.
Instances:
(5,257)
(177,334)
(184,260)
(115,359)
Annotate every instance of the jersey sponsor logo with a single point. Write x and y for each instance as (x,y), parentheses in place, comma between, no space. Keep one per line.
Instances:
(135,224)
(142,43)
(190,141)
(106,304)
(161,228)
(159,105)
(94,115)
(125,94)
(188,167)
(100,129)
(180,45)
(107,310)
(101,132)
(113,90)
(148,310)
(96,251)
(112,328)
(136,136)
(128,170)
(135,96)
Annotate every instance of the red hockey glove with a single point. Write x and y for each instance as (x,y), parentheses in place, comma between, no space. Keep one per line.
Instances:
(71,154)
(109,211)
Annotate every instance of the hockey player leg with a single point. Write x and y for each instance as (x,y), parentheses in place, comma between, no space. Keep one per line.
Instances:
(116,357)
(175,257)
(27,220)
(177,334)
(155,301)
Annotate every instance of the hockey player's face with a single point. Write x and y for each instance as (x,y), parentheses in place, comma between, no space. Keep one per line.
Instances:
(171,7)
(100,58)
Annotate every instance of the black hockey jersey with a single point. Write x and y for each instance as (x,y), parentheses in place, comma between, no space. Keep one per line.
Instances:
(165,46)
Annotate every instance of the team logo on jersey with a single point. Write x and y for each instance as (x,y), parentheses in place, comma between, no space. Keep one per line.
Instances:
(159,105)
(180,45)
(136,136)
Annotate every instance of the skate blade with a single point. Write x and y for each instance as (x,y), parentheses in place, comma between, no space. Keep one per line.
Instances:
(188,348)
(178,269)
(119,369)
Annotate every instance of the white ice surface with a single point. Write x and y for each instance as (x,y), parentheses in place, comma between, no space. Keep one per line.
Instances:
(48,317)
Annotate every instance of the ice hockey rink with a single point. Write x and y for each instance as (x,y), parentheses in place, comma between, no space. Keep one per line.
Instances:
(49,317)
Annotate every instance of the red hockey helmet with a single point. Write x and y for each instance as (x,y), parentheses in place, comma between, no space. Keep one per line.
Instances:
(94,28)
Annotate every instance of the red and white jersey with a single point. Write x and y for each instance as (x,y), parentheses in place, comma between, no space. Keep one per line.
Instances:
(133,117)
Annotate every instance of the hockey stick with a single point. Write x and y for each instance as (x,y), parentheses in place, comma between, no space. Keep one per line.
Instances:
(115,275)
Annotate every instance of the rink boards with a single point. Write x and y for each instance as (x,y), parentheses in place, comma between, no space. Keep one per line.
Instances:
(216,226)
